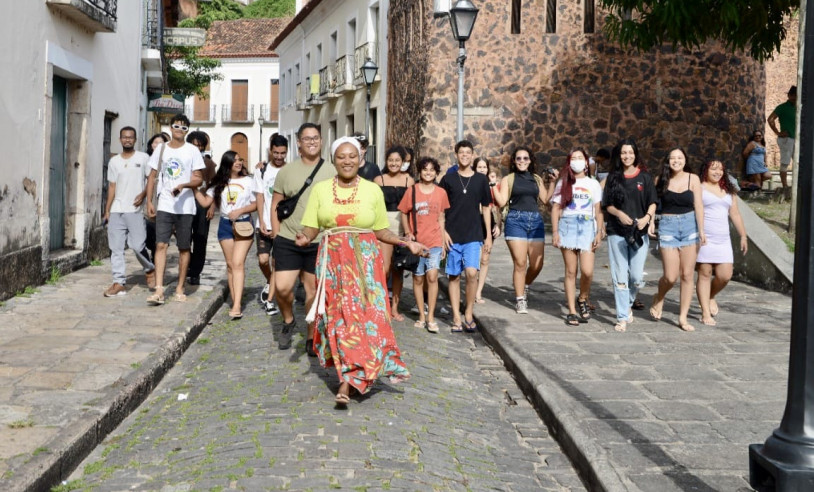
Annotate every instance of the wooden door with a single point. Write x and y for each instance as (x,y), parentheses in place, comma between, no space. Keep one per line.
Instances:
(56,195)
(240,100)
(240,144)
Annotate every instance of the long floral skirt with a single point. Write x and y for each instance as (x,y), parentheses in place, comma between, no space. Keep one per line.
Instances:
(354,333)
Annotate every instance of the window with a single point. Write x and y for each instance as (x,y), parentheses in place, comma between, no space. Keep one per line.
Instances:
(332,53)
(240,100)
(351,41)
(551,16)
(589,16)
(516,6)
(373,29)
(318,60)
(274,101)
(200,111)
(349,125)
(308,69)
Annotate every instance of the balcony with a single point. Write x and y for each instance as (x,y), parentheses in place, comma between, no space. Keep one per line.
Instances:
(200,114)
(327,82)
(344,73)
(301,97)
(95,15)
(313,83)
(270,113)
(151,45)
(233,114)
(363,52)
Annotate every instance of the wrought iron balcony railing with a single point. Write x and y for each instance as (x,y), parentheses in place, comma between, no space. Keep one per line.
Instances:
(237,114)
(344,72)
(327,81)
(200,113)
(363,52)
(95,15)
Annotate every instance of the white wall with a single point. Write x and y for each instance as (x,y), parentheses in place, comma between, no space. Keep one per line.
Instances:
(38,43)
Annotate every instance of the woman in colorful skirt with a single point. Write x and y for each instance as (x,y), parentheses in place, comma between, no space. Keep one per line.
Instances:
(354,334)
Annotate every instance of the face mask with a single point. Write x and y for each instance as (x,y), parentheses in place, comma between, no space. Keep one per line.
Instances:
(578,166)
(405,166)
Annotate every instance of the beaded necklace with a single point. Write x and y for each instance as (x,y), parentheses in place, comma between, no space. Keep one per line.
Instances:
(352,196)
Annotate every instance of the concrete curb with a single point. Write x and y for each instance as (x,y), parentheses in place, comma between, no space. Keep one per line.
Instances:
(72,445)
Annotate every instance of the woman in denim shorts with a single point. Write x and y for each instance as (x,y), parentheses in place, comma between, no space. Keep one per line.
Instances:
(524,230)
(681,229)
(575,219)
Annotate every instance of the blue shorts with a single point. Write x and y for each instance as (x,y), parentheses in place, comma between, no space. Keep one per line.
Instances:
(432,262)
(225,227)
(524,226)
(577,232)
(677,231)
(462,256)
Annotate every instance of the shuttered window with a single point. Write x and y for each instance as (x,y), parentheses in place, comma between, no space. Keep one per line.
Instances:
(240,100)
(201,107)
(274,101)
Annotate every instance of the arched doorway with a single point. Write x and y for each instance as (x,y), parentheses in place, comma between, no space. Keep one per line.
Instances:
(240,144)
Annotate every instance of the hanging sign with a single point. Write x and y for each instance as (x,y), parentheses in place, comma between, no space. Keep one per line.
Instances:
(184,36)
(166,103)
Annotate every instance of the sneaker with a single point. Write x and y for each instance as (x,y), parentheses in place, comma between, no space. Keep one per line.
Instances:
(194,280)
(284,342)
(115,289)
(444,310)
(270,307)
(264,295)
(522,306)
(309,348)
(150,276)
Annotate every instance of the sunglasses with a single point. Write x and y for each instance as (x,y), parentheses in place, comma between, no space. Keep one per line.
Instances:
(522,158)
(180,127)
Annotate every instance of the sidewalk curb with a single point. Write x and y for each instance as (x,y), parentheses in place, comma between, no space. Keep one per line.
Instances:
(552,403)
(72,445)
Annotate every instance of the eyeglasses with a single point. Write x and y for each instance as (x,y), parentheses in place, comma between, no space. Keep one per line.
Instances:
(360,138)
(310,139)
(180,127)
(522,158)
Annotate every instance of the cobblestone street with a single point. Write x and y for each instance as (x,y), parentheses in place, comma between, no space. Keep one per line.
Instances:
(237,413)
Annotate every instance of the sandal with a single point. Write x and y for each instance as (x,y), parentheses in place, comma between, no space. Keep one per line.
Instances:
(419,324)
(470,326)
(572,320)
(686,327)
(237,315)
(342,399)
(432,327)
(456,328)
(655,314)
(398,317)
(480,300)
(620,326)
(709,321)
(584,310)
(157,298)
(713,307)
(179,297)
(638,305)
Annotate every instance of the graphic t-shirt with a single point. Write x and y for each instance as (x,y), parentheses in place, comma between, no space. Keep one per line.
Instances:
(238,193)
(176,168)
(787,114)
(586,192)
(428,207)
(288,183)
(366,211)
(129,175)
(264,183)
(466,197)
(639,193)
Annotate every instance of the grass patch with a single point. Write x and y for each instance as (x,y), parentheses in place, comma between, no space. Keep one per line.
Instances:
(21,424)
(39,451)
(54,276)
(69,486)
(27,292)
(135,365)
(203,341)
(775,215)
(96,262)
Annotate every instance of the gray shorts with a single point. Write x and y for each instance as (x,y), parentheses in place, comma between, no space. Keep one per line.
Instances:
(166,222)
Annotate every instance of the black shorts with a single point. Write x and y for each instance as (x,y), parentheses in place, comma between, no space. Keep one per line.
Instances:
(288,256)
(165,222)
(264,243)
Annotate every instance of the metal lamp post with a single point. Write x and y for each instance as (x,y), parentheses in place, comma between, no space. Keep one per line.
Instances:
(261,121)
(369,71)
(462,19)
(785,462)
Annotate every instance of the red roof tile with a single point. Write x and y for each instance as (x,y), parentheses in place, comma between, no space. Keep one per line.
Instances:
(242,38)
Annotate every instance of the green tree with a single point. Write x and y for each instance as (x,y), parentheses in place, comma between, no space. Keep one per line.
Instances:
(216,10)
(188,73)
(269,9)
(755,26)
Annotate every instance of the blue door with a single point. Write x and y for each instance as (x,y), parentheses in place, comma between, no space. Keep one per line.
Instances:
(56,196)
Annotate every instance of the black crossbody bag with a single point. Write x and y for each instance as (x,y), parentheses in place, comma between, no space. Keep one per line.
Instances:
(403,258)
(286,207)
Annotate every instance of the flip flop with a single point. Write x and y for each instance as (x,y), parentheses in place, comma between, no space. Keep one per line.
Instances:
(398,317)
(456,328)
(470,326)
(432,327)
(342,399)
(235,315)
(713,307)
(419,324)
(620,326)
(709,322)
(480,300)
(687,327)
(179,297)
(655,314)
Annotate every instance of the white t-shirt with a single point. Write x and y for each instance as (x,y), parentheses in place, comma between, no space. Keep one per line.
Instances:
(237,194)
(129,175)
(176,169)
(586,193)
(264,183)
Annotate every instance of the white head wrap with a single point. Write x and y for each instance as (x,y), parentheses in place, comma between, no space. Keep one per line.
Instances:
(344,140)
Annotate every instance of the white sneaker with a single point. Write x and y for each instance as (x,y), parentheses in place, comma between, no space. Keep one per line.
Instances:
(522,306)
(444,310)
(270,308)
(264,295)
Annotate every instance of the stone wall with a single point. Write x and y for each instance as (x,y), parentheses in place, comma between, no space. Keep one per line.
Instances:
(781,73)
(556,92)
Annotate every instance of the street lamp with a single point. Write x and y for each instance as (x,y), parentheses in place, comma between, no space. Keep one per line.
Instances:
(462,19)
(369,70)
(260,121)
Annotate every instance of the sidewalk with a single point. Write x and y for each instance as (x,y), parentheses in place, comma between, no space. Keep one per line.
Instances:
(74,364)
(654,408)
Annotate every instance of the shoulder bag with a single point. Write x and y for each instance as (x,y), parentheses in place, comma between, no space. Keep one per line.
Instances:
(286,207)
(403,258)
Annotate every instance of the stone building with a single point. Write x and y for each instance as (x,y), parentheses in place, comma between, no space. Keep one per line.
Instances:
(542,74)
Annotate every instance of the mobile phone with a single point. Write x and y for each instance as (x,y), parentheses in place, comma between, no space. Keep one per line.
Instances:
(176,192)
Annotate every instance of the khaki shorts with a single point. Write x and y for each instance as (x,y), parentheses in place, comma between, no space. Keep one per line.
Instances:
(786,145)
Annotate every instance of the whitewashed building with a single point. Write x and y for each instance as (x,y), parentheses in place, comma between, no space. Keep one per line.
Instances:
(74,73)
(248,92)
(321,52)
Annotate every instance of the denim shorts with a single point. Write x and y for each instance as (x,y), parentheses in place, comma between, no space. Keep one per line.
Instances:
(225,227)
(524,226)
(577,232)
(677,231)
(432,262)
(463,256)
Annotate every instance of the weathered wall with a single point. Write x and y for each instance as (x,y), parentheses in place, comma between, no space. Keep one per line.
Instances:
(781,73)
(556,92)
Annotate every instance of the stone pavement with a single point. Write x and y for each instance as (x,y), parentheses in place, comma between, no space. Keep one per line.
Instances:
(654,408)
(73,363)
(236,413)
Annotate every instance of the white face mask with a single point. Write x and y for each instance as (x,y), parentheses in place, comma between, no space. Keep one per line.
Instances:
(405,166)
(577,165)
